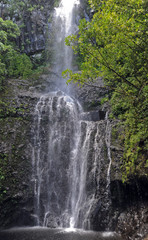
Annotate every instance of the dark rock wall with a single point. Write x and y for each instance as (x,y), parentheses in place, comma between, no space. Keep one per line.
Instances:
(35,21)
(129,202)
(128,206)
(37,25)
(17,109)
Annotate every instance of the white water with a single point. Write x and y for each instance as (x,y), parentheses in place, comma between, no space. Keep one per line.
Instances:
(64,12)
(64,25)
(68,153)
(108,143)
(80,200)
(55,133)
(67,161)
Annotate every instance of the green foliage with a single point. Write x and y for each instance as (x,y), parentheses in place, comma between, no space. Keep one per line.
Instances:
(103,100)
(9,30)
(10,109)
(21,11)
(114,45)
(19,65)
(43,69)
(20,8)
(56,3)
(3,164)
(12,63)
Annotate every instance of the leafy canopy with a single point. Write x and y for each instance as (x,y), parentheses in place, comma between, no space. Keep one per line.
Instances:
(114,45)
(12,63)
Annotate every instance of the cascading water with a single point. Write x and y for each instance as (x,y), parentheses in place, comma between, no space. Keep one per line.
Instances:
(55,130)
(68,152)
(64,24)
(108,143)
(83,191)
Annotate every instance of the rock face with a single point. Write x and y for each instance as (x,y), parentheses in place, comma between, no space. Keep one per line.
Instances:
(36,27)
(34,18)
(128,206)
(122,208)
(118,207)
(15,153)
(35,21)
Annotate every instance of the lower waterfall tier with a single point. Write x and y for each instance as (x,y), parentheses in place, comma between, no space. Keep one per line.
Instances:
(127,213)
(68,156)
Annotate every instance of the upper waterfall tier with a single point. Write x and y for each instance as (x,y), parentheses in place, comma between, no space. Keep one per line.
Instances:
(64,24)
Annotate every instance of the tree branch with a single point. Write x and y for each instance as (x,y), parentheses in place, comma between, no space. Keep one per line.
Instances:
(106,64)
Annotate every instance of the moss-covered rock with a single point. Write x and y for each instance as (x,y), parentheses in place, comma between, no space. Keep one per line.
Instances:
(15,151)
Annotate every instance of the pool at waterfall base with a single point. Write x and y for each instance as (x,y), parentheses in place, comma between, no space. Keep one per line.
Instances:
(43,233)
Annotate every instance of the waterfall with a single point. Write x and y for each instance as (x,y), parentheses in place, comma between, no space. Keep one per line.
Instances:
(64,24)
(68,154)
(68,151)
(81,199)
(108,143)
(55,133)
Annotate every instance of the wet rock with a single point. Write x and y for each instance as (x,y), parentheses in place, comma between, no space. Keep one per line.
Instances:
(90,95)
(15,150)
(35,22)
(126,211)
(93,116)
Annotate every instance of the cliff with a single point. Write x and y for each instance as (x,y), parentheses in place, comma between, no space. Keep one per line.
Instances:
(128,202)
(35,21)
(126,211)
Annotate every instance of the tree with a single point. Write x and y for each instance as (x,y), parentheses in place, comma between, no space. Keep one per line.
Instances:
(12,62)
(114,45)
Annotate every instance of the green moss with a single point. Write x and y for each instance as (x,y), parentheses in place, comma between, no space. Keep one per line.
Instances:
(114,134)
(15,124)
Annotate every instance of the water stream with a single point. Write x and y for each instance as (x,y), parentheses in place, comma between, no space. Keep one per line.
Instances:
(68,152)
(64,24)
(67,158)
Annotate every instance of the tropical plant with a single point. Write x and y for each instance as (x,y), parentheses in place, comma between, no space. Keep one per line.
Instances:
(114,45)
(12,62)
